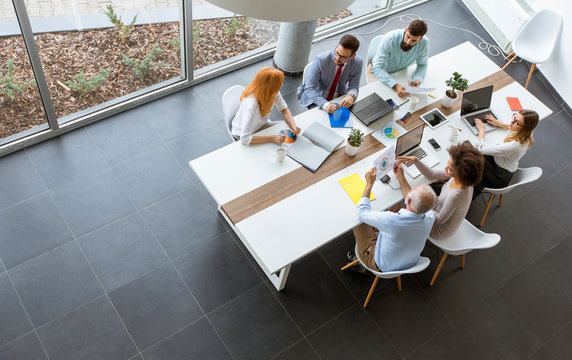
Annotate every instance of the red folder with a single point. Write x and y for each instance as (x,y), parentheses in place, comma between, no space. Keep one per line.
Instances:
(513,103)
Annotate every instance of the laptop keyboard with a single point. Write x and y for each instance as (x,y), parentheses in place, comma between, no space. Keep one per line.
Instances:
(419,153)
(369,112)
(471,119)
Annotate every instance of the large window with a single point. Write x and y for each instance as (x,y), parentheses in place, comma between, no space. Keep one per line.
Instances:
(70,62)
(94,51)
(21,109)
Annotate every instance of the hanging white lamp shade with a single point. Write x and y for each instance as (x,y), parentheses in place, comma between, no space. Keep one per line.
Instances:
(283,10)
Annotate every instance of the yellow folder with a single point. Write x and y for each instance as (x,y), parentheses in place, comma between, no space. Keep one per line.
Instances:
(354,186)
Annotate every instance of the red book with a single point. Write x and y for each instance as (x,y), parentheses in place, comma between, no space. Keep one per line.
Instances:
(513,103)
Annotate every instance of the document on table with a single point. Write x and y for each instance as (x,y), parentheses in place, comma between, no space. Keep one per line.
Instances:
(418,90)
(354,186)
(314,145)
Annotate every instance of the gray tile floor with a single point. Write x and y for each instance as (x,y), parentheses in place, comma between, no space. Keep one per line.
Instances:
(112,249)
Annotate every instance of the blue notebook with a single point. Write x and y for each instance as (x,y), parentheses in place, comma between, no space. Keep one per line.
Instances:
(341,118)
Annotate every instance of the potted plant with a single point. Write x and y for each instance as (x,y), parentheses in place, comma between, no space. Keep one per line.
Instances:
(456,83)
(354,142)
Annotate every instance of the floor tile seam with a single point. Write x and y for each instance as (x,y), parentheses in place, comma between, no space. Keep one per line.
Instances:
(272,289)
(186,188)
(557,98)
(428,340)
(34,330)
(172,334)
(20,202)
(568,295)
(309,334)
(220,338)
(111,164)
(180,165)
(338,276)
(248,256)
(294,344)
(382,332)
(208,108)
(550,338)
(108,298)
(515,311)
(197,248)
(557,124)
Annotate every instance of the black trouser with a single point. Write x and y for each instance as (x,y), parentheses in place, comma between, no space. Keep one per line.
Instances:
(494,176)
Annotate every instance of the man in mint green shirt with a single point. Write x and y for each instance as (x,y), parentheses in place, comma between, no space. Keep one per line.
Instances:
(399,49)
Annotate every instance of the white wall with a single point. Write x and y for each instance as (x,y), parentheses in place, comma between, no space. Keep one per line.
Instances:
(558,70)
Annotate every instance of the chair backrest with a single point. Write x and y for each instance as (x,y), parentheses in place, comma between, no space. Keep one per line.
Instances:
(305,73)
(465,239)
(230,105)
(372,49)
(535,41)
(520,177)
(421,265)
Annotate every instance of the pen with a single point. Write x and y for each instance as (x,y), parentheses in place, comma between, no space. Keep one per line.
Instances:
(406,117)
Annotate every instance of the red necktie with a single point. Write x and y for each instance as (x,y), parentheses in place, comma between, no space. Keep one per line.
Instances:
(334,84)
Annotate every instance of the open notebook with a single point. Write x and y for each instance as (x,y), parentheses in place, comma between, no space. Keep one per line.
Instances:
(314,145)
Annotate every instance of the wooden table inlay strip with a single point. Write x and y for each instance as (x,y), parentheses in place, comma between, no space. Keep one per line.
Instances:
(299,179)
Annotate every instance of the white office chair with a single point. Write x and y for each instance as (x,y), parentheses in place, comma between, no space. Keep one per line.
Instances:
(520,177)
(305,73)
(535,41)
(466,239)
(421,265)
(230,105)
(371,50)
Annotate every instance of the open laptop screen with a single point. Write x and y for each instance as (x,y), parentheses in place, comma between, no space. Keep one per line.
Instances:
(409,140)
(476,100)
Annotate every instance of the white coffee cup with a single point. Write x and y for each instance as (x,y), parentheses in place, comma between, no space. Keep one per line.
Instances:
(413,101)
(279,154)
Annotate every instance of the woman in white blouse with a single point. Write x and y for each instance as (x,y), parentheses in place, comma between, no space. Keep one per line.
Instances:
(463,170)
(256,104)
(501,160)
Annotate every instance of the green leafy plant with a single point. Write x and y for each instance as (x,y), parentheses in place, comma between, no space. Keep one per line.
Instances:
(84,85)
(197,31)
(175,43)
(456,82)
(355,137)
(142,68)
(124,30)
(235,24)
(11,87)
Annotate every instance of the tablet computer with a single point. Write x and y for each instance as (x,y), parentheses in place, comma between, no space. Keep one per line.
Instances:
(434,118)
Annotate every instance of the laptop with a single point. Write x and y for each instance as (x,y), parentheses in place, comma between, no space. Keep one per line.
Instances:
(408,144)
(476,104)
(371,108)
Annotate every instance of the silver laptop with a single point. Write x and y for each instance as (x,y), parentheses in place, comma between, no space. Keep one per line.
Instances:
(476,104)
(408,144)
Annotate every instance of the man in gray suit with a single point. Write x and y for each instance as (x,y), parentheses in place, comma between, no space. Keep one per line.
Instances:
(333,74)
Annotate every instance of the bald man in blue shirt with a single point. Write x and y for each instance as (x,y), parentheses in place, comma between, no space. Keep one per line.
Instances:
(397,50)
(402,235)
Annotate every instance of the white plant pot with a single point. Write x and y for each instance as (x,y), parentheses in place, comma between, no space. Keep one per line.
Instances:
(447,102)
(351,150)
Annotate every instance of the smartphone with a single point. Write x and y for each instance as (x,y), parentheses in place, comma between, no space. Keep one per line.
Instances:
(435,145)
(385,179)
(391,103)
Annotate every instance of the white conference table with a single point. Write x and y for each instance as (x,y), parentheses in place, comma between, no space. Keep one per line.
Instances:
(294,227)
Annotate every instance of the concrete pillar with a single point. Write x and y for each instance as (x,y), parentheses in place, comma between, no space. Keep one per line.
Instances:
(294,44)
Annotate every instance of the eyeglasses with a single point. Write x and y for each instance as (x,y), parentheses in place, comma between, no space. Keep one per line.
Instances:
(516,121)
(344,58)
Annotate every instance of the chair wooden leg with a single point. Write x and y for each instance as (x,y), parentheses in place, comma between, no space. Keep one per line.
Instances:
(509,55)
(529,75)
(487,209)
(500,200)
(508,63)
(463,261)
(370,291)
(350,264)
(438,269)
(399,283)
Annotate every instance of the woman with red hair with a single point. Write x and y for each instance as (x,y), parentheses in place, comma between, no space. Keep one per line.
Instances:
(256,104)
